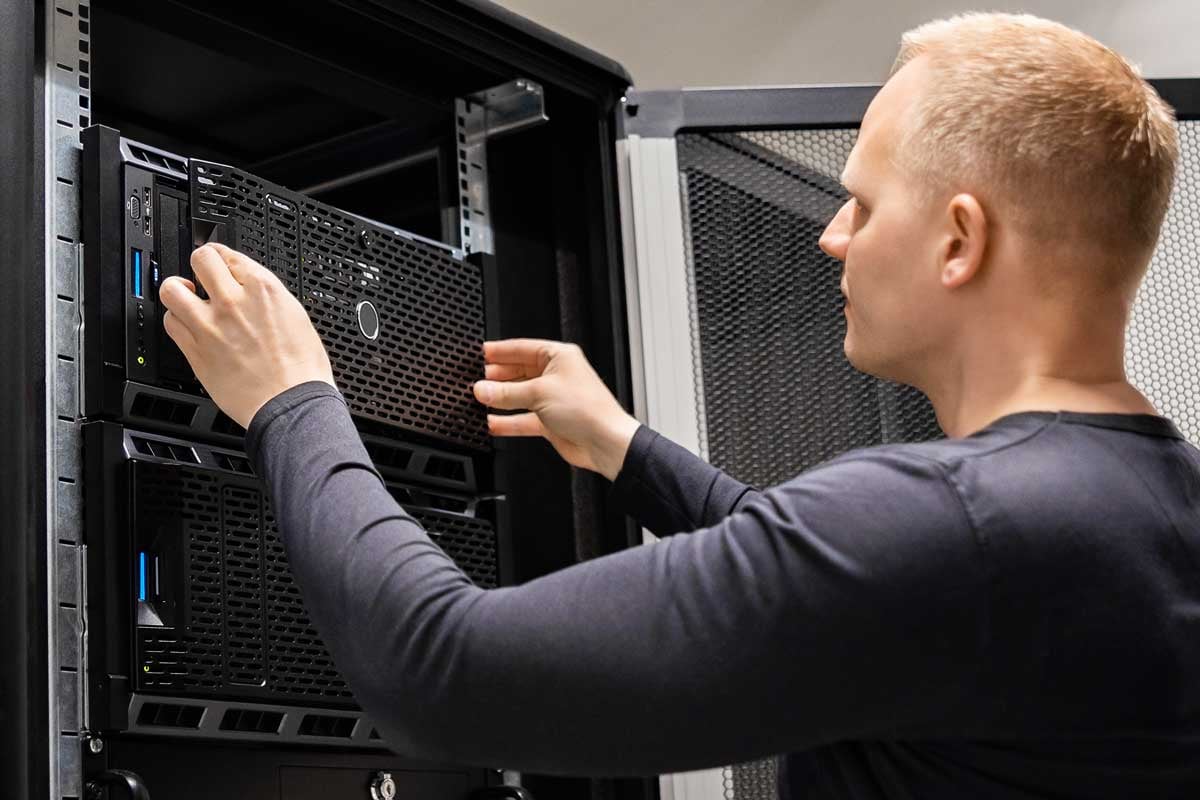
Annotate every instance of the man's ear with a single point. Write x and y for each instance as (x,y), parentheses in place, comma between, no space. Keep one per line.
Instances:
(964,241)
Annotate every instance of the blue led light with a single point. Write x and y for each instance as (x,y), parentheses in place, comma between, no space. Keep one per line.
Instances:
(136,274)
(142,576)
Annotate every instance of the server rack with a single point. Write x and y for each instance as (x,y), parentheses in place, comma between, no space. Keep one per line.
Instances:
(549,223)
(401,120)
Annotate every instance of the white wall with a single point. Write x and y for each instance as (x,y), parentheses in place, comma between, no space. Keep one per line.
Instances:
(672,43)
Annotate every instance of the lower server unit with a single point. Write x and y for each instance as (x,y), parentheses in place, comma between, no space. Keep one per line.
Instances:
(197,627)
(166,770)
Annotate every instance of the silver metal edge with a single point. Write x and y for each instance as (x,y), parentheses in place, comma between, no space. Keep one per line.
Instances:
(68,110)
(660,281)
(660,309)
(489,114)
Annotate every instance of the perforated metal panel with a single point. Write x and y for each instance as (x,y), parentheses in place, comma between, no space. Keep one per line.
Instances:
(1162,346)
(415,371)
(779,395)
(184,503)
(240,628)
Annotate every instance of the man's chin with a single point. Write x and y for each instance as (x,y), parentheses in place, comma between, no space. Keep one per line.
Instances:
(862,362)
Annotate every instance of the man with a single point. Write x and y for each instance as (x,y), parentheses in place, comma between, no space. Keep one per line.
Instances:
(1011,612)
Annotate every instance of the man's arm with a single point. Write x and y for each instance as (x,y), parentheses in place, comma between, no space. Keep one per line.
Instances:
(661,485)
(668,489)
(842,604)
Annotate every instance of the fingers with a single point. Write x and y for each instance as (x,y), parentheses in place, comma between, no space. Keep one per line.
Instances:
(530,352)
(242,267)
(526,424)
(213,273)
(508,372)
(180,334)
(179,296)
(508,396)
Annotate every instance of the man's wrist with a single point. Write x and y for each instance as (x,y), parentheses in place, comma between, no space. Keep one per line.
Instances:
(614,445)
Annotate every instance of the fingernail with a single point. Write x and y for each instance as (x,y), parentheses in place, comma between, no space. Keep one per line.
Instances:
(483,391)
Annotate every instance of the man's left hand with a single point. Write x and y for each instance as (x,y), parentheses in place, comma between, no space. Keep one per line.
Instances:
(251,340)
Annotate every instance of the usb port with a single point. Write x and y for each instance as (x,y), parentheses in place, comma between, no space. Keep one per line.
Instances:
(135,271)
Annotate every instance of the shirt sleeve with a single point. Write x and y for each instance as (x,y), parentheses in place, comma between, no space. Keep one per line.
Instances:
(668,489)
(845,603)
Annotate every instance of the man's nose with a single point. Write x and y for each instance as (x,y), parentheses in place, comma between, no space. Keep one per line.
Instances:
(836,237)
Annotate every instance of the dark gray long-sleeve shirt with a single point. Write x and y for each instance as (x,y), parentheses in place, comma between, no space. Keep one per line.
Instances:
(1012,614)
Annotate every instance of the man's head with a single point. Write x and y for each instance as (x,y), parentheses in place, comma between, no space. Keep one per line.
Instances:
(1009,167)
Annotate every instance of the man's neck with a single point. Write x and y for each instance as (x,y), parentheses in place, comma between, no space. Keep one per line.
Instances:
(1039,393)
(1006,377)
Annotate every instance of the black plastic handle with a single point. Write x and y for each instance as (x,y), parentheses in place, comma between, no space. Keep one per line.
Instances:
(118,777)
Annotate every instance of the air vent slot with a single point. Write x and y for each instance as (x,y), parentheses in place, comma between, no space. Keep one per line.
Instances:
(170,715)
(223,423)
(446,468)
(251,720)
(157,159)
(327,725)
(163,409)
(385,455)
(232,463)
(443,503)
(175,452)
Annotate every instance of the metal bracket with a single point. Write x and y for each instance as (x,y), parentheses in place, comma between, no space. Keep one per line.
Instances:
(486,115)
(68,109)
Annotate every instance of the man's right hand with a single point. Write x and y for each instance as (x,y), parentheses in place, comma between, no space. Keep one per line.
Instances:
(563,398)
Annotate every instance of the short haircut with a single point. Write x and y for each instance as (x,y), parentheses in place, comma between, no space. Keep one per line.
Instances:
(1063,130)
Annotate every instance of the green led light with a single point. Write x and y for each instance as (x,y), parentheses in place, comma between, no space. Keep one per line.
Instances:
(141,360)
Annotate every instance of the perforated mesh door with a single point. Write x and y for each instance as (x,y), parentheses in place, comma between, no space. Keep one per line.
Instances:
(778,393)
(1162,347)
(240,627)
(415,369)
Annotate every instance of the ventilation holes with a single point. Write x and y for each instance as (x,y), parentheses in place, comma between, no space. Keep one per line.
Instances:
(157,159)
(416,372)
(176,412)
(251,720)
(327,725)
(175,452)
(389,455)
(250,635)
(222,423)
(232,463)
(170,715)
(453,504)
(446,468)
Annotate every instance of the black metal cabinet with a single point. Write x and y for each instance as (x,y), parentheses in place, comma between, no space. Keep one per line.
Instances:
(668,233)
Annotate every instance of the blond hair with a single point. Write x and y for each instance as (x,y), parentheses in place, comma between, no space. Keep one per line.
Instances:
(1062,129)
